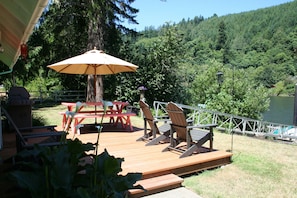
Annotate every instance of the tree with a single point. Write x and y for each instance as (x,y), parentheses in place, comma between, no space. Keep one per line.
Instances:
(104,28)
(238,94)
(222,36)
(70,28)
(159,59)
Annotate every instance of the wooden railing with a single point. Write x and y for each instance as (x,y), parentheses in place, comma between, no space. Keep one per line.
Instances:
(56,96)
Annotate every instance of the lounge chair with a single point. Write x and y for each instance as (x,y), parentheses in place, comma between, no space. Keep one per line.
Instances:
(26,138)
(193,136)
(156,133)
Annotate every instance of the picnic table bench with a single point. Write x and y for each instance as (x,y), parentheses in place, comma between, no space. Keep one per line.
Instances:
(115,113)
(64,114)
(123,118)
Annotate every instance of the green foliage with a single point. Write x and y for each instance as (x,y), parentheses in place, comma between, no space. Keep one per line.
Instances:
(158,59)
(238,94)
(43,84)
(38,120)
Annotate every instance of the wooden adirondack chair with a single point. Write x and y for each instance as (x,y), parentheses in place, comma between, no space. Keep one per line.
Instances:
(193,136)
(156,133)
(24,135)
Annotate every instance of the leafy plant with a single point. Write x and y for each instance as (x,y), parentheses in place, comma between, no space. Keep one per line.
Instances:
(67,170)
(38,120)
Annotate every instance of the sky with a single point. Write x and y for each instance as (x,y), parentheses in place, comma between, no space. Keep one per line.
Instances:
(157,12)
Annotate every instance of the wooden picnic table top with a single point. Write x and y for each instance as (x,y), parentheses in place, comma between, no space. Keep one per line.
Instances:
(119,105)
(94,103)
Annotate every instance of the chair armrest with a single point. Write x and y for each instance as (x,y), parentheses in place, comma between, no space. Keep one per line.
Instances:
(190,122)
(48,127)
(155,121)
(43,134)
(162,117)
(202,126)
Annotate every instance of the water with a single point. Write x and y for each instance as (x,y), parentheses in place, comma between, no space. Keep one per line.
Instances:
(281,110)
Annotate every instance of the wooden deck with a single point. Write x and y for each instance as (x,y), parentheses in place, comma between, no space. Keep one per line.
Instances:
(148,160)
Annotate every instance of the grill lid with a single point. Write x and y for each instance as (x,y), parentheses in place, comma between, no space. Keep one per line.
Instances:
(19,95)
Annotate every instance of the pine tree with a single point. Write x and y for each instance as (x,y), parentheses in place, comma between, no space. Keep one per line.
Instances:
(104,29)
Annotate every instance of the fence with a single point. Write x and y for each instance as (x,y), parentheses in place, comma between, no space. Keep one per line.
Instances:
(226,122)
(55,96)
(58,96)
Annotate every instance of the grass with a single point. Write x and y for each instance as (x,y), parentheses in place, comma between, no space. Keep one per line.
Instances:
(49,114)
(260,168)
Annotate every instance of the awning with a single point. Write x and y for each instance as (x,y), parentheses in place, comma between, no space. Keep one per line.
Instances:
(17,21)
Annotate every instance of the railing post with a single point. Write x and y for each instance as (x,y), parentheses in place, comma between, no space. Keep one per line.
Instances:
(156,107)
(295,107)
(244,126)
(214,118)
(231,124)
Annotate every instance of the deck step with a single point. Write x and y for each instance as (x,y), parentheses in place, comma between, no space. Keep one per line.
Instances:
(156,185)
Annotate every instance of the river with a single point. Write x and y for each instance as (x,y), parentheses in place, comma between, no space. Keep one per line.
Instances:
(281,110)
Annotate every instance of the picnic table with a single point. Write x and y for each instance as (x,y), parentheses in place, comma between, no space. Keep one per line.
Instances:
(114,113)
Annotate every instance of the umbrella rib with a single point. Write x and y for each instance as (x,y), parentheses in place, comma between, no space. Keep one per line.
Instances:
(63,68)
(110,69)
(85,72)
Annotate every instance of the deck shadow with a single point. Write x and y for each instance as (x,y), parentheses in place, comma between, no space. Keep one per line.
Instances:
(107,127)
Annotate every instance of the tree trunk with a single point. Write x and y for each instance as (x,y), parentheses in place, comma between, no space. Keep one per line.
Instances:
(95,40)
(95,95)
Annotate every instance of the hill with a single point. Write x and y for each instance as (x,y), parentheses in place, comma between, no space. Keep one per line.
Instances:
(264,39)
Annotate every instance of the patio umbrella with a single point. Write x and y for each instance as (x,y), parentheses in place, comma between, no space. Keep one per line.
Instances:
(94,62)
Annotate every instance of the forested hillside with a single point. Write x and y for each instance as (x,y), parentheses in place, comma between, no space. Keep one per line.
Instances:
(256,53)
(265,39)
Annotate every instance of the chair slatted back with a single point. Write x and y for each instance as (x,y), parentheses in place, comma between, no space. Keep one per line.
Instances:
(178,120)
(148,115)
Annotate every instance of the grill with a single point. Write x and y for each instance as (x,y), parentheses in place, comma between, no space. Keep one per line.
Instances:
(20,106)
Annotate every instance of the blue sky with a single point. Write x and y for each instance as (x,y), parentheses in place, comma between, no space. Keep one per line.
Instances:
(158,12)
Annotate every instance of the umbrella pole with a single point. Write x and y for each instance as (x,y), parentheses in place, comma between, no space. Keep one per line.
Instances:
(95,79)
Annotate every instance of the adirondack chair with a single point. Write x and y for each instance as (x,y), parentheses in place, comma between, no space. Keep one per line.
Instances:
(24,135)
(156,133)
(193,136)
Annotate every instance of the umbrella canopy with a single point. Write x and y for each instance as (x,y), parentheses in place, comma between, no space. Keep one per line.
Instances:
(94,62)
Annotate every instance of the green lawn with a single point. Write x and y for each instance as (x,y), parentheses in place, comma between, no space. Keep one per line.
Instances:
(260,168)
